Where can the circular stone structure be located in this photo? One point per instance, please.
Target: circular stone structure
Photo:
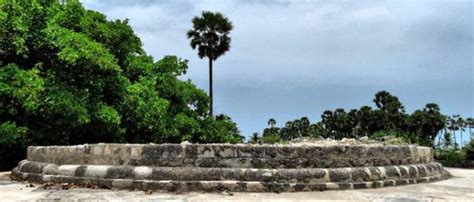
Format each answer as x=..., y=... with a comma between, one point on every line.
x=220, y=167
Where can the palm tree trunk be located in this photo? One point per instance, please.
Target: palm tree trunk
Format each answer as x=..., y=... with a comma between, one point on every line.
x=439, y=140
x=470, y=134
x=210, y=87
x=441, y=135
x=454, y=137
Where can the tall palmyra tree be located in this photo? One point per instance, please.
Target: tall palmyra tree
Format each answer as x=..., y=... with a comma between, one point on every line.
x=210, y=36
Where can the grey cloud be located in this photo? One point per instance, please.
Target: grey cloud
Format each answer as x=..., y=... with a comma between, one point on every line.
x=297, y=58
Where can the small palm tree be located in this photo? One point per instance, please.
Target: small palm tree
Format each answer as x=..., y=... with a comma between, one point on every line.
x=210, y=36
x=255, y=139
x=461, y=124
x=448, y=140
x=271, y=122
x=453, y=126
x=470, y=124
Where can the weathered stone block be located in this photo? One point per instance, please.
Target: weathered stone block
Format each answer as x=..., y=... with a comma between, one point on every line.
x=360, y=175
x=120, y=172
x=96, y=171
x=339, y=175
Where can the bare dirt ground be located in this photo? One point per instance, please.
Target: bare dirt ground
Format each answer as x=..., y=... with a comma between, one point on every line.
x=458, y=188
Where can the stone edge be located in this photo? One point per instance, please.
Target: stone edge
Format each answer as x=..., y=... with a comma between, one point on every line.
x=219, y=186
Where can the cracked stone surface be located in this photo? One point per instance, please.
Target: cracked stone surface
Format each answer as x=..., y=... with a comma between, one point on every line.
x=459, y=187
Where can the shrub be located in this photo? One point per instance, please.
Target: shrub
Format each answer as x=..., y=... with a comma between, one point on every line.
x=470, y=151
x=400, y=137
x=396, y=140
x=453, y=158
x=12, y=144
x=271, y=139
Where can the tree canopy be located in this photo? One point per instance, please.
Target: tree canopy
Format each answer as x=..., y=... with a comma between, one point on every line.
x=210, y=35
x=68, y=76
x=388, y=117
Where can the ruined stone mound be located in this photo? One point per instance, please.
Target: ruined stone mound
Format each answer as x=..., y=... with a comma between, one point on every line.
x=220, y=167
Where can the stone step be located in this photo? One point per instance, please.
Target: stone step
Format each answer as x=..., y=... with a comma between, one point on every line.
x=219, y=186
x=306, y=175
x=219, y=167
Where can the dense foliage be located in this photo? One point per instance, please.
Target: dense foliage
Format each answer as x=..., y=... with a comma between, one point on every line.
x=388, y=118
x=70, y=76
x=389, y=122
x=453, y=157
x=470, y=151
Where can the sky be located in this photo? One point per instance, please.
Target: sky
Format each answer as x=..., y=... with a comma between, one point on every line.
x=295, y=58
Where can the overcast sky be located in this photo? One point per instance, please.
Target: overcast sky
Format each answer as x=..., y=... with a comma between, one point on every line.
x=298, y=58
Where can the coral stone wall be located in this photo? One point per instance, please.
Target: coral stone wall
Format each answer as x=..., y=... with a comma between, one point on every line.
x=232, y=156
x=218, y=167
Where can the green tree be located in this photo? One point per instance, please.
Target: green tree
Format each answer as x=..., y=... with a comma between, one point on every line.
x=318, y=130
x=426, y=123
x=304, y=126
x=255, y=138
x=387, y=102
x=339, y=123
x=328, y=120
x=271, y=129
x=288, y=131
x=388, y=119
x=470, y=151
x=453, y=126
x=365, y=121
x=220, y=128
x=12, y=144
x=391, y=110
x=470, y=125
x=293, y=129
x=353, y=123
x=447, y=140
x=271, y=122
x=461, y=124
x=70, y=76
x=271, y=139
x=210, y=36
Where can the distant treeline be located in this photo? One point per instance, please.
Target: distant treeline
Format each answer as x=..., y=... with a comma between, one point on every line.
x=387, y=118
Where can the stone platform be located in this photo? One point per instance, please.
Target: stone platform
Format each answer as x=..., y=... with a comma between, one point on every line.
x=220, y=167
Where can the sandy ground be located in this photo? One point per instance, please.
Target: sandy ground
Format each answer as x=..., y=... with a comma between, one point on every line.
x=458, y=188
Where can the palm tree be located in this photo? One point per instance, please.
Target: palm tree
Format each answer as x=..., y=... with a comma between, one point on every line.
x=446, y=120
x=210, y=36
x=470, y=124
x=439, y=144
x=255, y=139
x=271, y=122
x=448, y=140
x=453, y=126
x=304, y=126
x=461, y=124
